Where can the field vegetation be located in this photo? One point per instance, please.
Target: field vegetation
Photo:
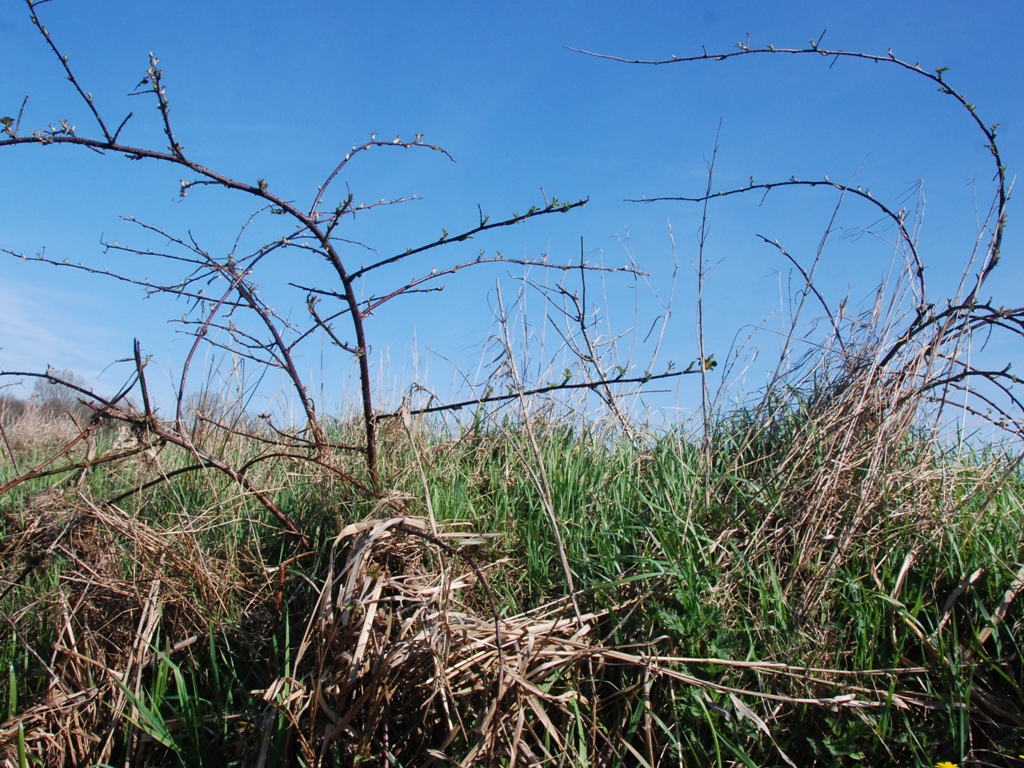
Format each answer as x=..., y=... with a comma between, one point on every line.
x=824, y=572
x=813, y=584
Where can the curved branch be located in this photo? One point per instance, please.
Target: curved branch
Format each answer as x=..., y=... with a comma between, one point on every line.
x=373, y=142
x=889, y=57
x=897, y=217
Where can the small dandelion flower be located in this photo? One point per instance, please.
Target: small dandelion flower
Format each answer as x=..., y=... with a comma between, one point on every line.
x=946, y=764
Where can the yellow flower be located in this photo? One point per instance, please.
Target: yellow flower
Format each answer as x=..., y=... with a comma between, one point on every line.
x=946, y=764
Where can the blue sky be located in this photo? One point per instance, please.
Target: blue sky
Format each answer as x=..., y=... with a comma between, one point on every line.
x=281, y=90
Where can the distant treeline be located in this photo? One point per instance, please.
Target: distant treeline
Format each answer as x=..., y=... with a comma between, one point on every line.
x=49, y=400
x=13, y=409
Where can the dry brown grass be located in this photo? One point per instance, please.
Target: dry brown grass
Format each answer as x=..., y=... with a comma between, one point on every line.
x=121, y=581
x=34, y=426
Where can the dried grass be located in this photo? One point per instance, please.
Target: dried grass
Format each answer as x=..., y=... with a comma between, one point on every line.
x=120, y=581
x=32, y=426
x=398, y=658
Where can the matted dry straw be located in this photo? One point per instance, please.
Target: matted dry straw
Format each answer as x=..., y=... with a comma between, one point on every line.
x=398, y=659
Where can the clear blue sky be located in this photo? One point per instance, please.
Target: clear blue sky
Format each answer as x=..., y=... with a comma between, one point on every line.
x=282, y=90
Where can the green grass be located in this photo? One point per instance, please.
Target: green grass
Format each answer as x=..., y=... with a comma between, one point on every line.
x=753, y=549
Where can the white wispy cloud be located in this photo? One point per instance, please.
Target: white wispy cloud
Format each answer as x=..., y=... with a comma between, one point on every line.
x=41, y=325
